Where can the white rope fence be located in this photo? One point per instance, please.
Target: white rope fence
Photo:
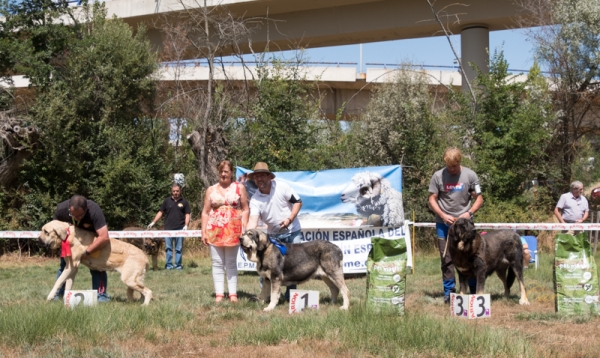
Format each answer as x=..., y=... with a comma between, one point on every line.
x=198, y=233
x=528, y=226
x=112, y=234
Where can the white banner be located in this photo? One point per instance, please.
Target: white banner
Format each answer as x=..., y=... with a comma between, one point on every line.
x=354, y=242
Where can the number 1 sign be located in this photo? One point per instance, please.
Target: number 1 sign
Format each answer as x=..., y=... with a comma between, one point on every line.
x=470, y=306
x=300, y=299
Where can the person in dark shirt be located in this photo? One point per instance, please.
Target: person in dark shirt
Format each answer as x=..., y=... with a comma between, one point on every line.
x=177, y=217
x=87, y=215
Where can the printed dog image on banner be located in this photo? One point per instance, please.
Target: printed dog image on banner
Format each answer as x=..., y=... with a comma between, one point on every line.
x=346, y=207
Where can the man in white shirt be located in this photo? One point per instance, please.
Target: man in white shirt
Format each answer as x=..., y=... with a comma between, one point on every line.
x=277, y=205
x=572, y=207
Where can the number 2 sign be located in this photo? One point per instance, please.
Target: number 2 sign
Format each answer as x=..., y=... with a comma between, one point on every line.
x=300, y=299
x=470, y=306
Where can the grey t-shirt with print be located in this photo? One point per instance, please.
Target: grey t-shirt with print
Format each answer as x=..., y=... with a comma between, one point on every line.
x=454, y=191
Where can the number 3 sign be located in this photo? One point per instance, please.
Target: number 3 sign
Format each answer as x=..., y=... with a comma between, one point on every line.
x=300, y=299
x=470, y=306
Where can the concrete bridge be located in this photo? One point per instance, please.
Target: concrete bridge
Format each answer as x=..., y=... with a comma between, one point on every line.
x=335, y=85
x=290, y=24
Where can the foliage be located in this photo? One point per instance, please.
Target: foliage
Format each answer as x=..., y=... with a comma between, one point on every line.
x=567, y=42
x=511, y=130
x=34, y=38
x=282, y=125
x=401, y=127
x=98, y=138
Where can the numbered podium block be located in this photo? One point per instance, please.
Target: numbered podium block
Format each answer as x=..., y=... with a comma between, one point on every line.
x=74, y=298
x=470, y=306
x=301, y=299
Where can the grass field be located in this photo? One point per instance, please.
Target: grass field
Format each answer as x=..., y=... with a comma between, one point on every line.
x=183, y=320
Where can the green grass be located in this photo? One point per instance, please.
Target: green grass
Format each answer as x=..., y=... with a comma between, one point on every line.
x=183, y=313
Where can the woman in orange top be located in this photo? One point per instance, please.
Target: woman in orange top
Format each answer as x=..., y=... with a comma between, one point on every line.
x=224, y=218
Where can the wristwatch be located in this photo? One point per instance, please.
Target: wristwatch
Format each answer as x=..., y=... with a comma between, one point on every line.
x=87, y=252
x=470, y=214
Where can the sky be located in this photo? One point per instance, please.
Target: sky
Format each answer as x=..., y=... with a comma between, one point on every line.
x=433, y=51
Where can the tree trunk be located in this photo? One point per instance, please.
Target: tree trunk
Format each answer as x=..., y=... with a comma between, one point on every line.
x=18, y=143
x=210, y=153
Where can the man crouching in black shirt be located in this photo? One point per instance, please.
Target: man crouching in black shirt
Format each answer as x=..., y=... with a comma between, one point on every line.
x=87, y=215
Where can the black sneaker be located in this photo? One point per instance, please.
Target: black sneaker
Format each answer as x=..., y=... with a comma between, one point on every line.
x=446, y=299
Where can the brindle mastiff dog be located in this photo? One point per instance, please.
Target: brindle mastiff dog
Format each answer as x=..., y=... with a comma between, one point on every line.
x=300, y=263
x=150, y=245
x=479, y=256
x=127, y=259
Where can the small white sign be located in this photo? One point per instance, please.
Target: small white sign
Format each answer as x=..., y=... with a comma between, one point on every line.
x=301, y=299
x=470, y=306
x=74, y=298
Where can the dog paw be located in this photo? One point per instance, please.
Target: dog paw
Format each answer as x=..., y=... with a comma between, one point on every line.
x=345, y=308
x=268, y=308
x=524, y=302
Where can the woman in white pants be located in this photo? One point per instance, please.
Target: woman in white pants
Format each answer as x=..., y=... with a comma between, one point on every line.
x=224, y=218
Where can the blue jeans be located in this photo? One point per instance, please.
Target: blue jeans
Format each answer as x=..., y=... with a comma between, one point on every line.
x=169, y=252
x=288, y=238
x=99, y=280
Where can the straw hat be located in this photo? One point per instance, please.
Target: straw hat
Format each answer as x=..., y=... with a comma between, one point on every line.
x=261, y=167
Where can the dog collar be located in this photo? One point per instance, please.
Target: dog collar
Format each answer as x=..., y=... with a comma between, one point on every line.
x=279, y=245
x=65, y=247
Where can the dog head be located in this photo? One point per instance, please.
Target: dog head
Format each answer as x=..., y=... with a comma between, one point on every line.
x=252, y=242
x=462, y=234
x=53, y=233
x=152, y=245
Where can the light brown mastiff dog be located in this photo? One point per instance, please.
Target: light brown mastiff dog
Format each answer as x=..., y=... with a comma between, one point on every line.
x=119, y=256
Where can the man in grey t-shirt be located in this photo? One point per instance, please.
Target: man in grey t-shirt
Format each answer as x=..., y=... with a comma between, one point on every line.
x=450, y=192
x=572, y=207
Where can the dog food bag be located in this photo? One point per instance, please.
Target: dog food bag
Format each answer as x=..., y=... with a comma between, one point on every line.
x=386, y=274
x=575, y=276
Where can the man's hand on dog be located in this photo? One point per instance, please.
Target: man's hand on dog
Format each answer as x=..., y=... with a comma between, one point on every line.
x=448, y=219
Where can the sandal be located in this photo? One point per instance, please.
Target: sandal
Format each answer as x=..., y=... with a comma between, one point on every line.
x=219, y=298
x=233, y=298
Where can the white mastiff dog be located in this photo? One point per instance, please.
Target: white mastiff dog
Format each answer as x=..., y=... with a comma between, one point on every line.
x=125, y=258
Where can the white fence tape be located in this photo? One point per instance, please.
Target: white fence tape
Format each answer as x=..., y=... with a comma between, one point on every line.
x=112, y=234
x=528, y=226
x=198, y=233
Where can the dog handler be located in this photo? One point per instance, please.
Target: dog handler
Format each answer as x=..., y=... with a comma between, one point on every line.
x=87, y=215
x=572, y=207
x=277, y=205
x=450, y=192
x=177, y=217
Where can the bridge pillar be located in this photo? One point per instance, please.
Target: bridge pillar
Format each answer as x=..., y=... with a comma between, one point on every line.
x=474, y=45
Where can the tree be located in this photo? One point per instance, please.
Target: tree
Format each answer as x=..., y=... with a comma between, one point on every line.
x=567, y=42
x=511, y=129
x=204, y=33
x=99, y=137
x=400, y=126
x=33, y=38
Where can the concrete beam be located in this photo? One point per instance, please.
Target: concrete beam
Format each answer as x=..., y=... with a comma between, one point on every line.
x=289, y=24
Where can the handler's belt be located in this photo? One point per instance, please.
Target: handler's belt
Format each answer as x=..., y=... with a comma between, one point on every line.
x=279, y=245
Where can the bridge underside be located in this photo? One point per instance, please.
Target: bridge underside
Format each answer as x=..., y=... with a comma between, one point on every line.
x=287, y=24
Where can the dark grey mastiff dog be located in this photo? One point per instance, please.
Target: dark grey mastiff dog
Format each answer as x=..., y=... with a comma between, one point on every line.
x=300, y=263
x=479, y=256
